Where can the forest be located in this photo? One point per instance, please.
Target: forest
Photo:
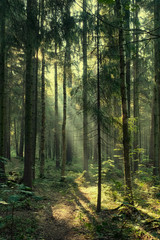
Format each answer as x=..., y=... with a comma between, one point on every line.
x=79, y=119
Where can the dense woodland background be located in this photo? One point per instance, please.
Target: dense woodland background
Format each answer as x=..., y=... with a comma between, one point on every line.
x=80, y=98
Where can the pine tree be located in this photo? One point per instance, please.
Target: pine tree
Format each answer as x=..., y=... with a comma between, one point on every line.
x=85, y=123
x=2, y=85
x=30, y=50
x=126, y=138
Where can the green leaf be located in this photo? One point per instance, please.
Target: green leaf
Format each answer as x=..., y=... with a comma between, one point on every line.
x=27, y=192
x=14, y=198
x=25, y=188
x=3, y=159
x=3, y=203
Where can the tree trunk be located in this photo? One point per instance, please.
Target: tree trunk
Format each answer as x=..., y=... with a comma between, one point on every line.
x=15, y=135
x=42, y=145
x=136, y=94
x=64, y=122
x=126, y=137
x=21, y=144
x=30, y=46
x=151, y=142
x=156, y=133
x=98, y=118
x=6, y=113
x=128, y=52
x=42, y=148
x=56, y=135
x=2, y=83
x=85, y=123
x=157, y=80
x=7, y=144
x=35, y=97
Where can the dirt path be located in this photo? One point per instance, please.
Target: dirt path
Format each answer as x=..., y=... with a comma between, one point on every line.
x=66, y=216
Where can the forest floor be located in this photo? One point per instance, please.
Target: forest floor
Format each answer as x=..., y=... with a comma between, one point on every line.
x=67, y=211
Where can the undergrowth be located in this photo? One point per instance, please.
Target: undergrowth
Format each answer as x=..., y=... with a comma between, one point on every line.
x=118, y=220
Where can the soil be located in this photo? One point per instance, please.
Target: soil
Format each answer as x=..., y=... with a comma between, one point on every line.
x=65, y=215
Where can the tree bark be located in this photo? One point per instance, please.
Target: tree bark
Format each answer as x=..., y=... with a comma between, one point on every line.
x=42, y=148
x=157, y=87
x=21, y=144
x=15, y=135
x=7, y=144
x=30, y=49
x=126, y=137
x=64, y=122
x=6, y=113
x=42, y=145
x=85, y=124
x=2, y=84
x=98, y=118
x=151, y=142
x=35, y=98
x=128, y=53
x=56, y=135
x=136, y=93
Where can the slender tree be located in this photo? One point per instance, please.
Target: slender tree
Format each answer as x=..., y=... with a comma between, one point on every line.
x=85, y=124
x=155, y=131
x=126, y=4
x=21, y=144
x=2, y=84
x=136, y=90
x=42, y=148
x=64, y=121
x=56, y=135
x=66, y=74
x=157, y=88
x=34, y=111
x=15, y=135
x=98, y=117
x=126, y=137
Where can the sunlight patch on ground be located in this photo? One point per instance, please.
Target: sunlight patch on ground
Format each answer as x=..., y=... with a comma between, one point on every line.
x=63, y=212
x=150, y=212
x=91, y=193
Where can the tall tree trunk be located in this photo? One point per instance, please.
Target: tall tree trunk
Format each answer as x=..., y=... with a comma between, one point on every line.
x=98, y=118
x=15, y=135
x=156, y=132
x=85, y=123
x=157, y=88
x=21, y=144
x=7, y=145
x=126, y=137
x=42, y=145
x=64, y=122
x=128, y=52
x=7, y=129
x=35, y=98
x=56, y=135
x=69, y=84
x=30, y=46
x=151, y=141
x=2, y=83
x=136, y=93
x=42, y=148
